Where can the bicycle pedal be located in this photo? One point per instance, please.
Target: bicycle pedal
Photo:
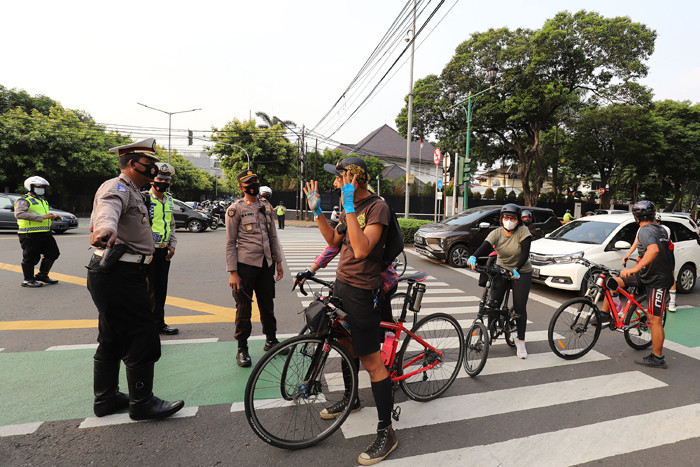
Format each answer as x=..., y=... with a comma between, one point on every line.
x=396, y=412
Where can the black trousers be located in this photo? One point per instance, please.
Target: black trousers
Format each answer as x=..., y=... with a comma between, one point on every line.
x=521, y=292
x=280, y=222
x=158, y=272
x=127, y=327
x=36, y=244
x=262, y=282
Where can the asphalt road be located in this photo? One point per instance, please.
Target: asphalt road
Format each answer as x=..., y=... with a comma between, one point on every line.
x=541, y=411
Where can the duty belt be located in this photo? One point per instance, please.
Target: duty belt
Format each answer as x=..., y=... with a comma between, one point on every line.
x=162, y=245
x=130, y=257
x=42, y=228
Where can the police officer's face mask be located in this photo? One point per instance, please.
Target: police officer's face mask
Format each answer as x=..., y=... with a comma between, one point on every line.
x=40, y=191
x=252, y=189
x=149, y=170
x=161, y=186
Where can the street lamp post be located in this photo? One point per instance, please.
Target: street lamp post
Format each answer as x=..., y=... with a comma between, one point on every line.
x=452, y=95
x=170, y=119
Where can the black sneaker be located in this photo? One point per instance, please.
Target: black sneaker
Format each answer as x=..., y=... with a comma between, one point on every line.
x=45, y=279
x=652, y=361
x=605, y=319
x=243, y=358
x=270, y=343
x=31, y=283
x=383, y=445
x=336, y=409
x=168, y=330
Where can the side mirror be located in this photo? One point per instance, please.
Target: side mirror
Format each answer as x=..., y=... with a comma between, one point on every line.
x=8, y=207
x=484, y=225
x=622, y=245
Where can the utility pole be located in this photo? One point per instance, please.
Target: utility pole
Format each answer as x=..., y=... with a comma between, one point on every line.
x=170, y=120
x=410, y=116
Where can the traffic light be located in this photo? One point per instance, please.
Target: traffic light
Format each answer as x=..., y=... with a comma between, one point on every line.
x=189, y=137
x=466, y=171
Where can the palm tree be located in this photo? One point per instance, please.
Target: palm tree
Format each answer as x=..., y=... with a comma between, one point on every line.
x=270, y=122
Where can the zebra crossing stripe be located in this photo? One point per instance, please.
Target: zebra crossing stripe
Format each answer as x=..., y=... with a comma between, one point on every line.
x=206, y=340
x=485, y=404
x=122, y=418
x=20, y=429
x=576, y=445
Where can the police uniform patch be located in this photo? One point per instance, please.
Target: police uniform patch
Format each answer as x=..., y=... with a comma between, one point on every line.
x=247, y=202
x=22, y=202
x=361, y=220
x=249, y=227
x=121, y=187
x=231, y=212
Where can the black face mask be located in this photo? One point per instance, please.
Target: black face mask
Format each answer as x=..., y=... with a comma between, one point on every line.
x=150, y=170
x=161, y=187
x=527, y=221
x=252, y=189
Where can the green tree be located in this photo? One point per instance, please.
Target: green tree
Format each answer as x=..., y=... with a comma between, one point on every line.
x=269, y=122
x=511, y=197
x=488, y=194
x=573, y=59
x=500, y=194
x=271, y=155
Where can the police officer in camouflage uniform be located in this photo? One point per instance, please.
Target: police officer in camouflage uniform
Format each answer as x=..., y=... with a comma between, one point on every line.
x=117, y=281
x=252, y=251
x=160, y=212
x=34, y=229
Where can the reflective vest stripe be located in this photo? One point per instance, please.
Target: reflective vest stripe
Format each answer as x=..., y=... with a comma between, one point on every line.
x=39, y=207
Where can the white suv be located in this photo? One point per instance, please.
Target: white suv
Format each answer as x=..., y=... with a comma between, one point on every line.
x=605, y=240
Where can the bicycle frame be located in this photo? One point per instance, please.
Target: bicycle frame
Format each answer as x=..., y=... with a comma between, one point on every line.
x=617, y=317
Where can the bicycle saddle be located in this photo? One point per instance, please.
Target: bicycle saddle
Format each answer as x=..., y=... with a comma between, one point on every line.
x=417, y=277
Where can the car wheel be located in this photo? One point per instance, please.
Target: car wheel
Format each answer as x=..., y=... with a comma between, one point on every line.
x=195, y=225
x=59, y=231
x=458, y=256
x=587, y=279
x=686, y=279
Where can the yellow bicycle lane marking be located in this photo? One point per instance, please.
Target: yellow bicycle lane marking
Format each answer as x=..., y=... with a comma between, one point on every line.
x=214, y=313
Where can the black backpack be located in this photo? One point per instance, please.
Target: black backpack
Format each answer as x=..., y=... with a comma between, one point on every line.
x=394, y=238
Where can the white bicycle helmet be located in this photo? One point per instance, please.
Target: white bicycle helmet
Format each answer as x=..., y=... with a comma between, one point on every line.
x=35, y=181
x=266, y=191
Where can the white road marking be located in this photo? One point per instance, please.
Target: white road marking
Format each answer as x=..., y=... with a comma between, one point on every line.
x=470, y=406
x=573, y=446
x=122, y=418
x=20, y=429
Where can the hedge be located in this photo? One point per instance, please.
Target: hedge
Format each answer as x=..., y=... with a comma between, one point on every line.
x=410, y=226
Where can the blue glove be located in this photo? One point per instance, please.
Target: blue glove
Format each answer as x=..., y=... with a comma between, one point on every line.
x=349, y=198
x=314, y=203
x=516, y=274
x=471, y=262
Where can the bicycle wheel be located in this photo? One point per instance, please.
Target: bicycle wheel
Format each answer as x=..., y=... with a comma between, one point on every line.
x=400, y=263
x=476, y=348
x=510, y=331
x=570, y=333
x=286, y=393
x=444, y=334
x=397, y=305
x=638, y=336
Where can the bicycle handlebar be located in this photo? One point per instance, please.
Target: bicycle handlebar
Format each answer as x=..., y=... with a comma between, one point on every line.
x=313, y=279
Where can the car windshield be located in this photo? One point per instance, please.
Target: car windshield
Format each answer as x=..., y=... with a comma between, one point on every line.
x=466, y=217
x=584, y=232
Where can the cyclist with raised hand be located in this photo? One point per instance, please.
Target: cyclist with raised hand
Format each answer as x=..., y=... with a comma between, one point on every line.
x=512, y=243
x=361, y=235
x=655, y=271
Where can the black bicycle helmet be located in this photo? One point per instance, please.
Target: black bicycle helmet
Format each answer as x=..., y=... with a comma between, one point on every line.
x=644, y=211
x=511, y=208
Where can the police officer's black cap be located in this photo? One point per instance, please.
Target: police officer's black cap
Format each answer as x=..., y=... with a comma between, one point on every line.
x=246, y=176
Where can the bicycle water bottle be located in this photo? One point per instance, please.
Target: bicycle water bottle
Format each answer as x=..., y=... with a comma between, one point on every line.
x=417, y=299
x=388, y=346
x=618, y=305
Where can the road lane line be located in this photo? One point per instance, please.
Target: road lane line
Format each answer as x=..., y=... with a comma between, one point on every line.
x=122, y=418
x=20, y=429
x=574, y=446
x=504, y=401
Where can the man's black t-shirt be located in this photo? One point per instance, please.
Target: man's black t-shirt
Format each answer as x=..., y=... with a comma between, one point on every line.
x=658, y=274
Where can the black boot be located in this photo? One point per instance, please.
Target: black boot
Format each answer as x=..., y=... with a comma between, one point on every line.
x=29, y=281
x=243, y=357
x=44, y=269
x=144, y=405
x=108, y=399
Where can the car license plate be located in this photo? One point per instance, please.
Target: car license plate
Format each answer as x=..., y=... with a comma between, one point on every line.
x=535, y=272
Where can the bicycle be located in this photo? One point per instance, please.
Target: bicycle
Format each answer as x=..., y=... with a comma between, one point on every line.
x=400, y=263
x=575, y=326
x=480, y=337
x=285, y=393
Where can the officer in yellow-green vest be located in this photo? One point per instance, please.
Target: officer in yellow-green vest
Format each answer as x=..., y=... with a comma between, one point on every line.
x=160, y=213
x=34, y=222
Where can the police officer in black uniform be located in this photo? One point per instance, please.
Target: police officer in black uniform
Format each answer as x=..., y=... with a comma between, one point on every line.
x=117, y=281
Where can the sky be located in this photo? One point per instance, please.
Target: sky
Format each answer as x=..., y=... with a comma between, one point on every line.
x=288, y=59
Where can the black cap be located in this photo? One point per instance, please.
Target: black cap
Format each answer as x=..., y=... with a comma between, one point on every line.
x=354, y=165
x=246, y=176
